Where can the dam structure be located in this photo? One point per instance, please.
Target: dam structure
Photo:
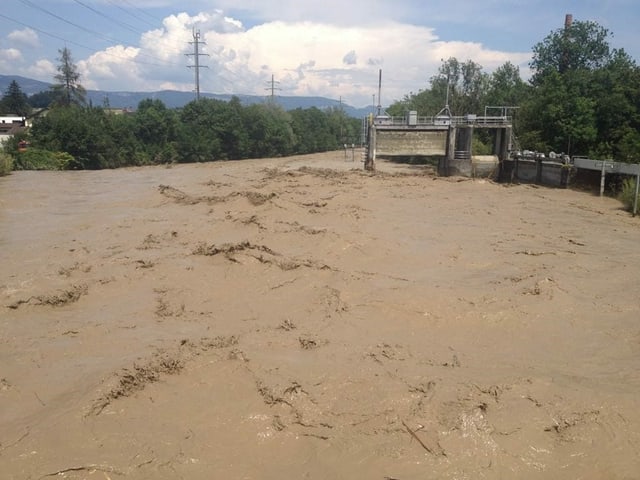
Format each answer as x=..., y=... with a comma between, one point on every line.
x=445, y=137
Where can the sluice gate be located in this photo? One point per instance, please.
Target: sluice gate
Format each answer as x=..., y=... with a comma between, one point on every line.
x=447, y=138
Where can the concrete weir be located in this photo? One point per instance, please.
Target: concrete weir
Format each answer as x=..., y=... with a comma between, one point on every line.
x=446, y=137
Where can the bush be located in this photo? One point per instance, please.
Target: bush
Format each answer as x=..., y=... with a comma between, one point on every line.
x=628, y=192
x=65, y=161
x=37, y=159
x=6, y=164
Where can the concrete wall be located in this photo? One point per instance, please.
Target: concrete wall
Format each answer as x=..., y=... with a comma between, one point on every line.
x=410, y=143
x=459, y=167
x=484, y=166
x=552, y=174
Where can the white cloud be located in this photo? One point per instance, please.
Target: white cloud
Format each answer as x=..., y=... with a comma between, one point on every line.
x=42, y=69
x=315, y=63
x=115, y=64
x=9, y=58
x=26, y=37
x=10, y=55
x=306, y=58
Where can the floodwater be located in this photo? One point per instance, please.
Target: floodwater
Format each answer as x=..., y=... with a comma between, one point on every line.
x=300, y=318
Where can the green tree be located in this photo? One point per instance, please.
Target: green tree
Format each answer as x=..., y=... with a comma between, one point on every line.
x=462, y=86
x=68, y=90
x=616, y=90
x=467, y=86
x=156, y=129
x=585, y=95
x=312, y=132
x=94, y=138
x=15, y=101
x=234, y=136
x=581, y=46
x=269, y=131
x=505, y=87
x=197, y=141
x=41, y=99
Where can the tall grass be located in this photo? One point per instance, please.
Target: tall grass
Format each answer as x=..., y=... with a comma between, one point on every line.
x=38, y=159
x=627, y=193
x=6, y=164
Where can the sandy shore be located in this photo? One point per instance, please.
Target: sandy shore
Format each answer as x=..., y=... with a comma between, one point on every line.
x=300, y=318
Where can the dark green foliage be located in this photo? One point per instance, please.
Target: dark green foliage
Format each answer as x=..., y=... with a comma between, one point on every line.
x=156, y=128
x=41, y=99
x=269, y=129
x=585, y=97
x=582, y=46
x=202, y=131
x=319, y=131
x=6, y=164
x=467, y=91
x=199, y=141
x=94, y=138
x=312, y=120
x=11, y=144
x=14, y=101
x=37, y=159
x=628, y=193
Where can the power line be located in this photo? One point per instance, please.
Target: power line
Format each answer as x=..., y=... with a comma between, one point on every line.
x=138, y=17
x=47, y=33
x=142, y=11
x=123, y=24
x=62, y=19
x=95, y=33
x=93, y=50
x=111, y=19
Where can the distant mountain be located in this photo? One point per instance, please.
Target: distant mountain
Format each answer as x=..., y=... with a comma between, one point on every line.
x=177, y=99
x=27, y=85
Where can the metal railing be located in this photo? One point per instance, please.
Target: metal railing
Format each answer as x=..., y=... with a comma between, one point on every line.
x=466, y=120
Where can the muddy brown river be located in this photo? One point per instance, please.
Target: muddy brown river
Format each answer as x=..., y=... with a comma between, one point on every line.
x=300, y=318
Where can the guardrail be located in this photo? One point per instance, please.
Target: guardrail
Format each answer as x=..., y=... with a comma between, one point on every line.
x=442, y=120
x=607, y=166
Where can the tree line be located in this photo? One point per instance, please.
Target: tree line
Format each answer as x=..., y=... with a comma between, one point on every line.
x=75, y=135
x=80, y=137
x=582, y=98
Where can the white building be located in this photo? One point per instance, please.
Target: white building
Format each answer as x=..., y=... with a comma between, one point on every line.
x=9, y=126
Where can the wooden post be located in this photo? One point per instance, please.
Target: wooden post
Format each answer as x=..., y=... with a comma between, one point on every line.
x=602, y=175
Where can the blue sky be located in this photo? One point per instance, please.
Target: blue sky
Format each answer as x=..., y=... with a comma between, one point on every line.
x=331, y=48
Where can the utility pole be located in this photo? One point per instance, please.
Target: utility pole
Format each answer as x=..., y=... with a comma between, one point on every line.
x=196, y=56
x=341, y=120
x=273, y=85
x=379, y=92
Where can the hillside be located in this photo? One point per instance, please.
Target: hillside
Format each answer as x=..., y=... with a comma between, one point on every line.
x=177, y=99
